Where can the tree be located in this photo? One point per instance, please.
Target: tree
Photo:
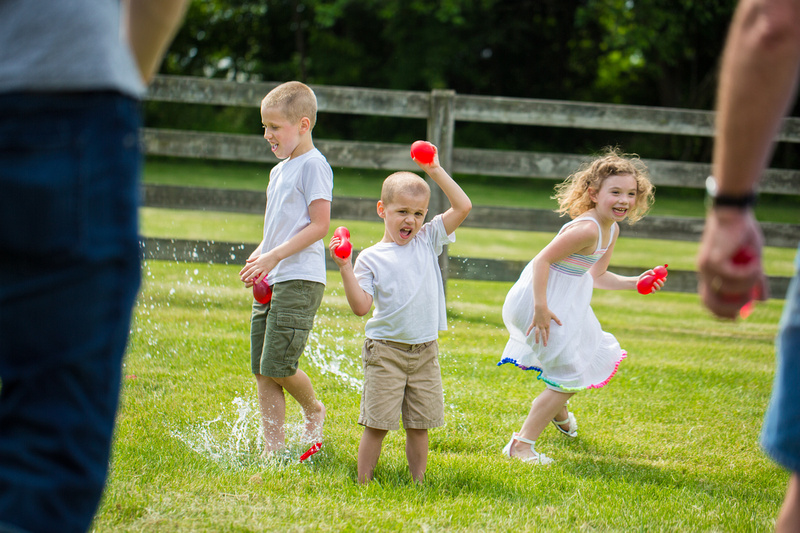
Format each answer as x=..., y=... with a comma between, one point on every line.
x=655, y=52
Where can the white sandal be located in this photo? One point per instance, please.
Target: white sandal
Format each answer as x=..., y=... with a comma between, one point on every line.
x=537, y=459
x=573, y=425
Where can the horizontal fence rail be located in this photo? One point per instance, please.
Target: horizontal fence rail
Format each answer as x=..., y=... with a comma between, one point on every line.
x=416, y=104
x=442, y=109
x=506, y=218
x=500, y=110
x=470, y=161
x=482, y=269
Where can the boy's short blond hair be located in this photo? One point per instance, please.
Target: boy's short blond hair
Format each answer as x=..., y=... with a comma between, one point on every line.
x=295, y=100
x=403, y=182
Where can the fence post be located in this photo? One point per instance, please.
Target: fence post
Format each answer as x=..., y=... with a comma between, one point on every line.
x=441, y=128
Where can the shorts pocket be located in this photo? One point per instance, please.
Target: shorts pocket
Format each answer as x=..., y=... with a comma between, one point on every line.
x=371, y=353
x=294, y=330
x=287, y=320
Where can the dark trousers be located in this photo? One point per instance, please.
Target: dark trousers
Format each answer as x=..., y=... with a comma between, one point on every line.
x=69, y=274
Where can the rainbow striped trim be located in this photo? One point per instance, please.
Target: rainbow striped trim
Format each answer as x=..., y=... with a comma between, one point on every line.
x=576, y=264
x=554, y=384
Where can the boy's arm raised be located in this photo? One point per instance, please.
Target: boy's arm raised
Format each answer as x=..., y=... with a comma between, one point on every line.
x=460, y=204
x=360, y=302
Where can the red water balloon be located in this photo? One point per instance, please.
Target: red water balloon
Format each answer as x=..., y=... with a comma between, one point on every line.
x=645, y=283
x=343, y=250
x=262, y=292
x=743, y=255
x=423, y=151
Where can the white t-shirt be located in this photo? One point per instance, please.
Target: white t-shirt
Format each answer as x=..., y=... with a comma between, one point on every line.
x=293, y=185
x=406, y=286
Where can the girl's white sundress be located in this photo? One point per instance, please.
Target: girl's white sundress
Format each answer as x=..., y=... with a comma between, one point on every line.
x=579, y=354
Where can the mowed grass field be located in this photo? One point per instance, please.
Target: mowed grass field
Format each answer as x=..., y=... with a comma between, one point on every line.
x=671, y=444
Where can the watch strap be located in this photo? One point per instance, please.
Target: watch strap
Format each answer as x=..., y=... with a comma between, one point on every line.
x=740, y=201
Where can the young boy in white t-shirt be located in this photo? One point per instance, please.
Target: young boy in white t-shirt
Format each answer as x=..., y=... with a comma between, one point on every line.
x=292, y=258
x=401, y=275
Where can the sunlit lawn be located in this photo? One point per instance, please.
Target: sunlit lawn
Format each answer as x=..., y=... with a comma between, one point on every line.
x=671, y=444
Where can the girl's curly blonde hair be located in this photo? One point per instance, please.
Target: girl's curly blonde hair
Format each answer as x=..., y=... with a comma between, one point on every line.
x=573, y=194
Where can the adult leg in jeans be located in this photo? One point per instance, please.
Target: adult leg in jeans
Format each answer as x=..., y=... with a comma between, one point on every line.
x=780, y=435
x=69, y=273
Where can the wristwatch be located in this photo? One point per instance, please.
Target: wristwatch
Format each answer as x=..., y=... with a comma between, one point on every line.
x=739, y=201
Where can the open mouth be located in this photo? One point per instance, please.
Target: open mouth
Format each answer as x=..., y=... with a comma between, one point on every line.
x=405, y=233
x=620, y=212
x=273, y=147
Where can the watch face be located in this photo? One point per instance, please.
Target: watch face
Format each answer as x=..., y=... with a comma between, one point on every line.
x=711, y=186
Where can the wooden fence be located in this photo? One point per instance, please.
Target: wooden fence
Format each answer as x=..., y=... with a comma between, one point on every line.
x=443, y=109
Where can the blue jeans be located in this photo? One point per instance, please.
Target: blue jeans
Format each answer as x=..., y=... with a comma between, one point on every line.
x=780, y=435
x=69, y=275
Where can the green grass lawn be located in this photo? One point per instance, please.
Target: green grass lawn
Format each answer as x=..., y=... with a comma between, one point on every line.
x=669, y=445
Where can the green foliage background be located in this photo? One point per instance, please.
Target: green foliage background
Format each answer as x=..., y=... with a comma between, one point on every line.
x=642, y=52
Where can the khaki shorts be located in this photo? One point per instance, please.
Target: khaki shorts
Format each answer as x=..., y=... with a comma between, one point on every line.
x=401, y=379
x=279, y=330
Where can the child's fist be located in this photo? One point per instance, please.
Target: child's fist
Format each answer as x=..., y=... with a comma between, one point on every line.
x=336, y=246
x=652, y=280
x=344, y=248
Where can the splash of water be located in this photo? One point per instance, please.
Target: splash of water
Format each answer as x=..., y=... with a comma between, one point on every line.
x=224, y=439
x=332, y=360
x=235, y=438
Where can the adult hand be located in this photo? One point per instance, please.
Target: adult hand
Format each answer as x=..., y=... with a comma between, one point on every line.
x=729, y=262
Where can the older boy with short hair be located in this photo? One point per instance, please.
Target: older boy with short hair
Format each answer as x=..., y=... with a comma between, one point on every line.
x=292, y=257
x=401, y=275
